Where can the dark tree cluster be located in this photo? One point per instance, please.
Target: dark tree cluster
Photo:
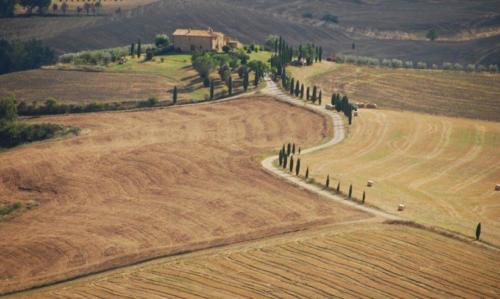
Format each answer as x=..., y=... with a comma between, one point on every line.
x=19, y=55
x=342, y=104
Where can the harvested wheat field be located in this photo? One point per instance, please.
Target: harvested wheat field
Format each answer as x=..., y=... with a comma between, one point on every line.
x=471, y=95
x=138, y=185
x=76, y=87
x=350, y=261
x=443, y=169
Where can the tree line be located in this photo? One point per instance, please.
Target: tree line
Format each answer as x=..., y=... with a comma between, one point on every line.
x=7, y=7
x=14, y=132
x=23, y=55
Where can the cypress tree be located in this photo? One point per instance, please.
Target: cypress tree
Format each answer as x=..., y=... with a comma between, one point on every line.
x=307, y=173
x=320, y=54
x=307, y=93
x=291, y=163
x=350, y=191
x=350, y=116
x=319, y=97
x=280, y=158
x=285, y=162
x=314, y=95
x=230, y=85
x=302, y=91
x=132, y=49
x=245, y=81
x=297, y=88
x=292, y=84
x=297, y=168
x=174, y=96
x=138, y=48
x=256, y=79
x=283, y=149
x=293, y=148
x=327, y=184
x=364, y=197
x=211, y=89
x=299, y=150
x=478, y=231
x=338, y=187
x=288, y=149
x=333, y=99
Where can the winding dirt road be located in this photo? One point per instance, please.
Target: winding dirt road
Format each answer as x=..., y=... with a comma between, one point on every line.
x=338, y=135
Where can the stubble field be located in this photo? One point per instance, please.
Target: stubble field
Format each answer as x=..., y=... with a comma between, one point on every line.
x=78, y=87
x=461, y=94
x=138, y=185
x=443, y=169
x=354, y=261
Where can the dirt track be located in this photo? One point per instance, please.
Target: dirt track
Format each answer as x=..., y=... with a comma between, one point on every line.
x=137, y=185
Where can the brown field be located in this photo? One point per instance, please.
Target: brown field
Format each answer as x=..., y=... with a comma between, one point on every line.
x=472, y=95
x=443, y=169
x=355, y=261
x=138, y=185
x=78, y=87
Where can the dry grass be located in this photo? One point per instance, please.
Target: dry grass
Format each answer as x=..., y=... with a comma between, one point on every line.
x=137, y=185
x=443, y=169
x=376, y=261
x=78, y=87
x=472, y=95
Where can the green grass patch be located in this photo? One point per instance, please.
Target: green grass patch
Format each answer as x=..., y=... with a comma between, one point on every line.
x=263, y=56
x=9, y=208
x=174, y=67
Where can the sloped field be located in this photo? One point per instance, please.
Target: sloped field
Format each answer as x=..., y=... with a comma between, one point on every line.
x=76, y=87
x=472, y=95
x=443, y=169
x=372, y=261
x=138, y=185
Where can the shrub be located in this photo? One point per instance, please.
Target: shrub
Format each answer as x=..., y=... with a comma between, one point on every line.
x=15, y=133
x=470, y=68
x=9, y=208
x=447, y=66
x=481, y=68
x=330, y=18
x=409, y=64
x=162, y=40
x=493, y=68
x=458, y=67
x=421, y=65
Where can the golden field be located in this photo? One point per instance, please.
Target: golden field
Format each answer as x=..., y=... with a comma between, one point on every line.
x=443, y=169
x=348, y=261
x=139, y=185
x=451, y=93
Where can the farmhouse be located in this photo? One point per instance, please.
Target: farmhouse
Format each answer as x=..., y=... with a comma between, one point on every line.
x=189, y=40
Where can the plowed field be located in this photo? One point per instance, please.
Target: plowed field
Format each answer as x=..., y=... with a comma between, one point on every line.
x=138, y=185
x=355, y=261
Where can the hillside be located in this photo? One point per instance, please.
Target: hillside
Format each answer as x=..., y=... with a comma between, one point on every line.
x=443, y=169
x=138, y=185
x=451, y=93
x=254, y=21
x=360, y=261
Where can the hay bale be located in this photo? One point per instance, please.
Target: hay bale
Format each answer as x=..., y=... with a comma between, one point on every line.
x=371, y=106
x=497, y=187
x=401, y=207
x=369, y=183
x=329, y=107
x=355, y=113
x=361, y=105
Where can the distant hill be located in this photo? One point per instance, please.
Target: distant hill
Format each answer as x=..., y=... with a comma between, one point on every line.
x=385, y=29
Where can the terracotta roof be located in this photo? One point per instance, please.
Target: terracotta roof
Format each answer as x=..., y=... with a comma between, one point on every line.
x=196, y=32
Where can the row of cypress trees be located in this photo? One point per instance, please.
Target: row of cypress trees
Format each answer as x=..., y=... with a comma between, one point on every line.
x=286, y=161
